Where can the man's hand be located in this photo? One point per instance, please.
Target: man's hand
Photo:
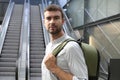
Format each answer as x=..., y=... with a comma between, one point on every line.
x=50, y=62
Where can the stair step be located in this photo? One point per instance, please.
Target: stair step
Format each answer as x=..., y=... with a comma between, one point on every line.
x=9, y=55
x=10, y=51
x=36, y=60
x=7, y=59
x=14, y=27
x=36, y=56
x=10, y=47
x=39, y=52
x=34, y=42
x=35, y=35
x=35, y=74
x=11, y=41
x=12, y=35
x=7, y=64
x=36, y=78
x=36, y=31
x=16, y=32
x=36, y=48
x=11, y=44
x=35, y=70
x=41, y=46
x=35, y=65
x=6, y=74
x=7, y=69
x=37, y=39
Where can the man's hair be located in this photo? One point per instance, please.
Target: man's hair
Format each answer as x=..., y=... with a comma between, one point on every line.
x=54, y=7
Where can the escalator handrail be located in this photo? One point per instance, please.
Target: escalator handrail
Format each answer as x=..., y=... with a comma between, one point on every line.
x=5, y=23
x=45, y=33
x=68, y=28
x=28, y=44
x=24, y=45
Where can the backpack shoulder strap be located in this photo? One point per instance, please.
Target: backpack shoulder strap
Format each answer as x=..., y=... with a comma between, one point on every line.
x=56, y=51
x=91, y=57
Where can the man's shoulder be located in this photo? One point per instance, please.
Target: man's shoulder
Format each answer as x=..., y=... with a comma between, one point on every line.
x=72, y=44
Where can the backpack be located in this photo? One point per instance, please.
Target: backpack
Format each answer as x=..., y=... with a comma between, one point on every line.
x=91, y=56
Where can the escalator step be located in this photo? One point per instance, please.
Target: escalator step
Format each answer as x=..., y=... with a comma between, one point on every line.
x=34, y=65
x=7, y=69
x=10, y=47
x=36, y=56
x=7, y=64
x=10, y=51
x=11, y=41
x=37, y=48
x=35, y=70
x=11, y=44
x=7, y=74
x=38, y=52
x=38, y=61
x=9, y=55
x=35, y=74
x=8, y=59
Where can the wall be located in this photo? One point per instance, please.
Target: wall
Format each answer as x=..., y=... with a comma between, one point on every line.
x=99, y=9
x=85, y=11
x=3, y=7
x=75, y=12
x=104, y=36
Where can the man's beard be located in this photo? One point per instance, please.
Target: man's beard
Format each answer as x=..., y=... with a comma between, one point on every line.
x=57, y=31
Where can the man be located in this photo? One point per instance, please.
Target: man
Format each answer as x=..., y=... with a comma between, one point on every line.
x=69, y=63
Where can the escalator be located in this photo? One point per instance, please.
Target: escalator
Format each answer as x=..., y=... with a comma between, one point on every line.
x=10, y=49
x=37, y=45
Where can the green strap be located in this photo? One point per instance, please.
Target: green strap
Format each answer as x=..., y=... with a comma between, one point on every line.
x=60, y=47
x=90, y=53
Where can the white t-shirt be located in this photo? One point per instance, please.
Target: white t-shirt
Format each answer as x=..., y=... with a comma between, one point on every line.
x=70, y=59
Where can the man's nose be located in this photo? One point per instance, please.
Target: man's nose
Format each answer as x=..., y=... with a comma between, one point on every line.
x=52, y=21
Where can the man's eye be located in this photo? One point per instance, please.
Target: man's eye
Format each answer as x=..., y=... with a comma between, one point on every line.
x=48, y=18
x=56, y=18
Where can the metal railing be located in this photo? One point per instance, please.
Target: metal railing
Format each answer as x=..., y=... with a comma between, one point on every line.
x=23, y=59
x=28, y=42
x=46, y=34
